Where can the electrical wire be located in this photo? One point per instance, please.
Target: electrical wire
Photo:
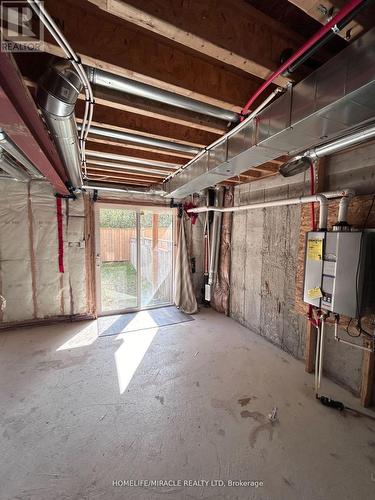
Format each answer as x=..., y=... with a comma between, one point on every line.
x=74, y=59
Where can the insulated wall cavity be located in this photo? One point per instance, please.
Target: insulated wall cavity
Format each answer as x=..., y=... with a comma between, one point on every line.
x=15, y=262
x=30, y=280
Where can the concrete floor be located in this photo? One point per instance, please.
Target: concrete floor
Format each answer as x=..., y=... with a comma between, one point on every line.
x=78, y=412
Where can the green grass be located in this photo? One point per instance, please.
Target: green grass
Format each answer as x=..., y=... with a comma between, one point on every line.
x=119, y=287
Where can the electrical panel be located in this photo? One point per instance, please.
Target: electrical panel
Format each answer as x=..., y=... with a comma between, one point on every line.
x=339, y=271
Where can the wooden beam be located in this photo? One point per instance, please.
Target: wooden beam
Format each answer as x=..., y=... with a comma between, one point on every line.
x=121, y=183
x=116, y=46
x=159, y=129
x=224, y=30
x=134, y=147
x=126, y=172
x=122, y=165
x=118, y=178
x=268, y=168
x=136, y=153
x=159, y=111
x=147, y=108
x=109, y=126
x=368, y=375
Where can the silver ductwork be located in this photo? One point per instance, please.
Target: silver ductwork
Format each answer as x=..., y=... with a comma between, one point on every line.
x=120, y=136
x=302, y=162
x=121, y=84
x=333, y=101
x=353, y=139
x=58, y=91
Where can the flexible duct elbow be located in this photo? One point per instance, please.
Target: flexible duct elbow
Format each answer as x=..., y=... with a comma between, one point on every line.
x=57, y=94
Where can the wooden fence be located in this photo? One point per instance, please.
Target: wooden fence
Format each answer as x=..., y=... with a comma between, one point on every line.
x=115, y=242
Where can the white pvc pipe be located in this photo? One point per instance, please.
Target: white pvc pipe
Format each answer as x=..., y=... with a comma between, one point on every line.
x=321, y=198
x=344, y=205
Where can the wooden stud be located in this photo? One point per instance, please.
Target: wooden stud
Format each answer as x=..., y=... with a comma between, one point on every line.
x=155, y=243
x=368, y=375
x=90, y=255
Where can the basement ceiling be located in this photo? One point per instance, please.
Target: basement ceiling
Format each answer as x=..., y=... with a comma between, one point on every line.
x=154, y=43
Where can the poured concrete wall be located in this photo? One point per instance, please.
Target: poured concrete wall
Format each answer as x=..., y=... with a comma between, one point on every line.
x=264, y=260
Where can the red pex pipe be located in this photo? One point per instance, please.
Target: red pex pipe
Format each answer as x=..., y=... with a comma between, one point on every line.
x=347, y=9
x=60, y=233
x=313, y=226
x=312, y=192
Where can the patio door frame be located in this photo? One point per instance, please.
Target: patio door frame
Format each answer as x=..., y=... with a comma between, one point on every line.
x=137, y=209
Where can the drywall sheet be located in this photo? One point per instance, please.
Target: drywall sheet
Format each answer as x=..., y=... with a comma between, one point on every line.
x=30, y=279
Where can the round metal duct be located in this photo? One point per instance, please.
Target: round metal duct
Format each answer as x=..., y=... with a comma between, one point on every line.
x=295, y=166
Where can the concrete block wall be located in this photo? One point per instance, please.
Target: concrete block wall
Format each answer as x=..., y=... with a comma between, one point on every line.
x=264, y=260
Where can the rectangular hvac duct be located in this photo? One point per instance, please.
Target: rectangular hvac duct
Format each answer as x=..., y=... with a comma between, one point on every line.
x=333, y=100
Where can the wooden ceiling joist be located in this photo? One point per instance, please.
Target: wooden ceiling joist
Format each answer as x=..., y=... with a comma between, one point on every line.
x=136, y=153
x=150, y=127
x=229, y=31
x=126, y=172
x=142, y=148
x=121, y=178
x=158, y=110
x=109, y=43
x=121, y=167
x=148, y=109
x=124, y=183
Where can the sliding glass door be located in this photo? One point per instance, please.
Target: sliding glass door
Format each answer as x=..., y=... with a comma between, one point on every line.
x=156, y=250
x=134, y=258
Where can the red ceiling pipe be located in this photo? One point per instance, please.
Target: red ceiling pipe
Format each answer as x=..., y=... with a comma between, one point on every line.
x=347, y=9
